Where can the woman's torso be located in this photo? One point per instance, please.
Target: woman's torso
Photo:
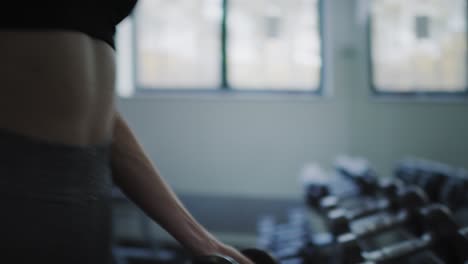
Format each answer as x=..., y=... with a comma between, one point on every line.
x=57, y=86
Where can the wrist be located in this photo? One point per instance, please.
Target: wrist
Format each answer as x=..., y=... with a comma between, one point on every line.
x=196, y=239
x=205, y=244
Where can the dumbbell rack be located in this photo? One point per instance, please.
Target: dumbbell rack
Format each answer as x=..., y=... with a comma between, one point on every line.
x=299, y=246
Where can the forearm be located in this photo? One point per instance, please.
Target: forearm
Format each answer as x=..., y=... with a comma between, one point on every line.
x=140, y=180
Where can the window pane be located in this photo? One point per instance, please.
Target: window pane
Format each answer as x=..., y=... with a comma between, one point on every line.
x=178, y=43
x=274, y=44
x=419, y=45
x=125, y=81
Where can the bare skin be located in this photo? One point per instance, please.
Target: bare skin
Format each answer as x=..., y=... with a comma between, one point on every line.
x=59, y=86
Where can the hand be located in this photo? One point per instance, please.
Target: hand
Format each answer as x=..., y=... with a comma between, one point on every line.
x=215, y=247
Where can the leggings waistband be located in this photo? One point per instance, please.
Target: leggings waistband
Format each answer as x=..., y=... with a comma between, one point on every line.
x=32, y=166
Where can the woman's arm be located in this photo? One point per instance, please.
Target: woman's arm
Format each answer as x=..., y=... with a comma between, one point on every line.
x=139, y=179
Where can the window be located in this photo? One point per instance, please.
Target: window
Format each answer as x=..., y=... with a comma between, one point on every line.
x=274, y=44
x=178, y=43
x=419, y=46
x=227, y=44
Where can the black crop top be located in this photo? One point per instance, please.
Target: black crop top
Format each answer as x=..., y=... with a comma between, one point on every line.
x=96, y=18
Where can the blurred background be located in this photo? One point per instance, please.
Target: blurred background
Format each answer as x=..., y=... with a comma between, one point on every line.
x=231, y=99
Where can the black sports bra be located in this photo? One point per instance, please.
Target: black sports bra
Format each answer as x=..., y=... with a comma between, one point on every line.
x=96, y=18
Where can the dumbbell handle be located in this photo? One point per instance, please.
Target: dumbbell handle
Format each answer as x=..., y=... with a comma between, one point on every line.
x=379, y=206
x=404, y=249
x=410, y=201
x=375, y=228
x=397, y=251
x=332, y=201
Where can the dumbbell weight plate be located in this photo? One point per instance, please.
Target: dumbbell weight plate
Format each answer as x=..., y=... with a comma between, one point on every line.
x=431, y=184
x=442, y=236
x=259, y=256
x=453, y=193
x=314, y=193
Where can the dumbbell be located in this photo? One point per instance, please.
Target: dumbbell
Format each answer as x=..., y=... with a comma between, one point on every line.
x=349, y=247
x=409, y=170
x=295, y=232
x=293, y=242
x=454, y=193
x=295, y=249
x=314, y=250
x=442, y=183
x=256, y=255
x=385, y=188
x=285, y=238
x=433, y=179
x=410, y=218
x=315, y=192
x=319, y=197
x=316, y=183
x=363, y=177
x=410, y=199
x=429, y=175
x=359, y=172
x=362, y=182
x=388, y=200
x=442, y=236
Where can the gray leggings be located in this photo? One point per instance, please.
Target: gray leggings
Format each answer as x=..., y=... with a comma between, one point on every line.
x=54, y=202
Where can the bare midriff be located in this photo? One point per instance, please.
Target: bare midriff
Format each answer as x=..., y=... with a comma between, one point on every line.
x=57, y=86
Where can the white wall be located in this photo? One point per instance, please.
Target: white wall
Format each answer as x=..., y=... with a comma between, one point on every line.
x=255, y=146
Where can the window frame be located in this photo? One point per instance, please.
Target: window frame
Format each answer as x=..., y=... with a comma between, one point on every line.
x=224, y=86
x=378, y=92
